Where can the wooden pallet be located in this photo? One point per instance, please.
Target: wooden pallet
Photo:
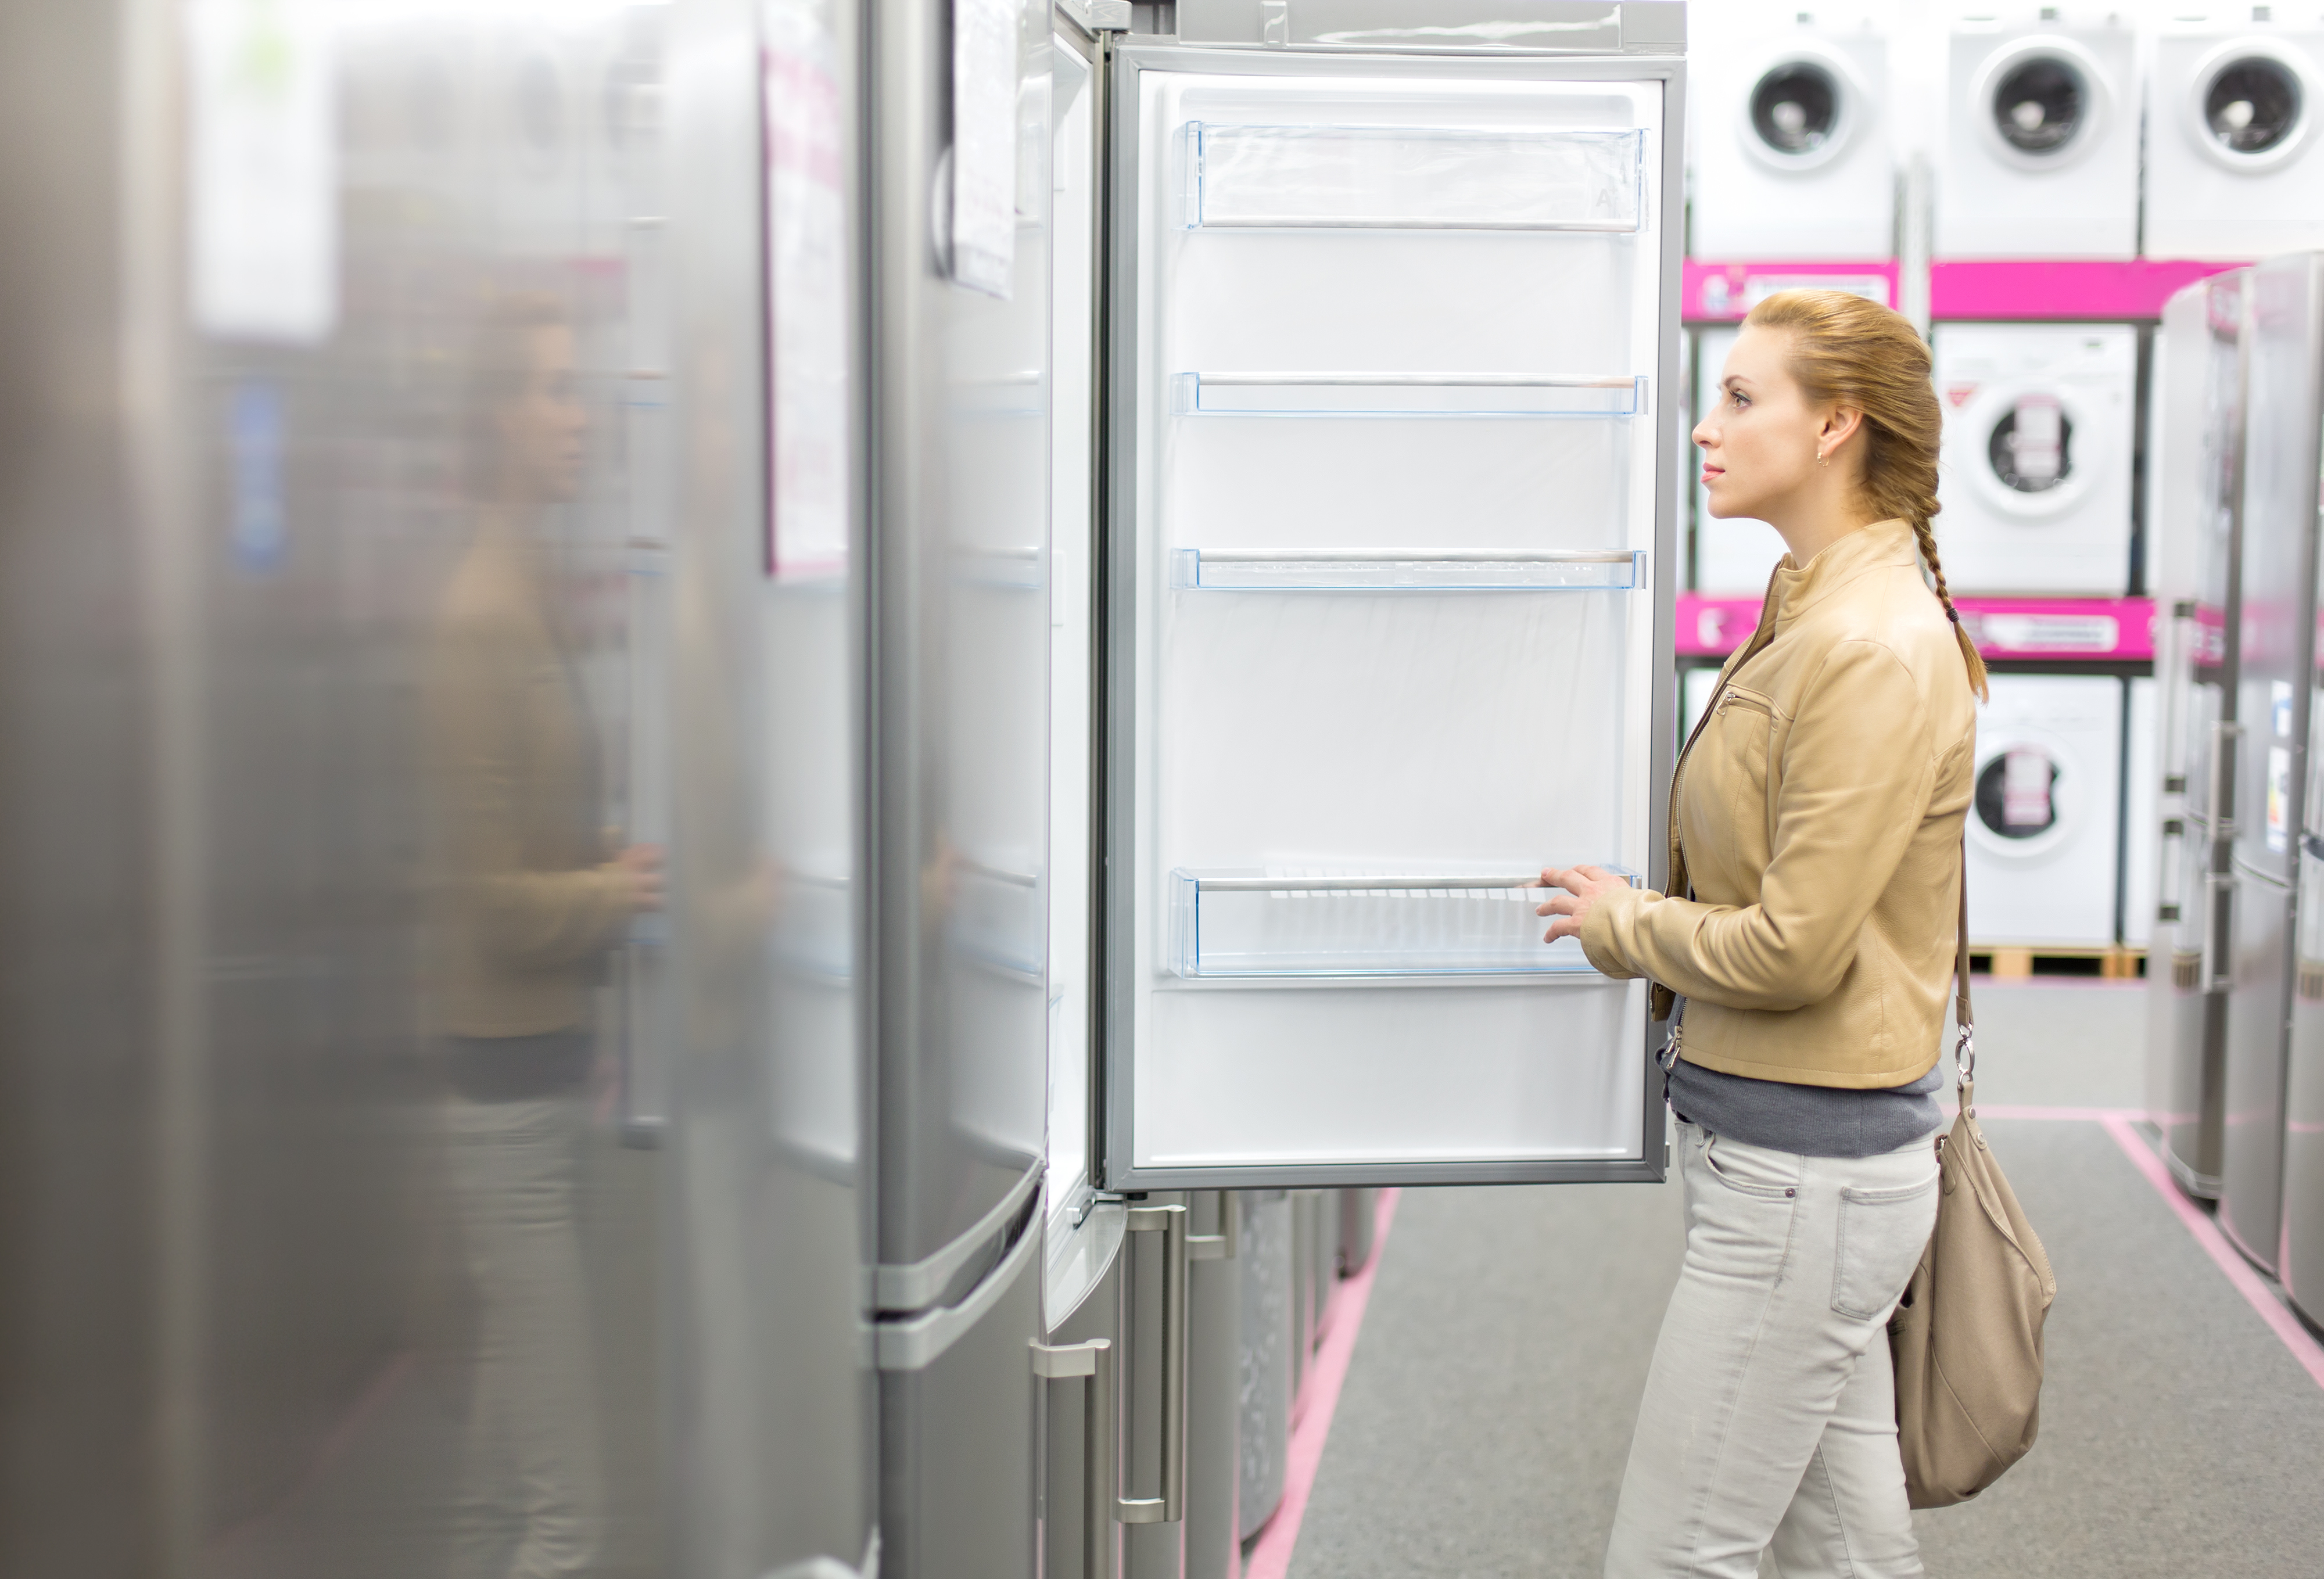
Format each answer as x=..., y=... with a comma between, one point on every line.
x=2115, y=963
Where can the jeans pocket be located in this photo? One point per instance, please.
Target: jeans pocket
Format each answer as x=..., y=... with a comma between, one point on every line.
x=1751, y=1170
x=1881, y=1236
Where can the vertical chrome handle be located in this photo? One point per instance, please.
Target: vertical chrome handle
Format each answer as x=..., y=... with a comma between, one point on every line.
x=2224, y=739
x=1170, y=1507
x=2219, y=935
x=1227, y=1242
x=1093, y=1362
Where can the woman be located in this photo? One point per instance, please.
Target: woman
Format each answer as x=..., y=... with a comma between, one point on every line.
x=1809, y=925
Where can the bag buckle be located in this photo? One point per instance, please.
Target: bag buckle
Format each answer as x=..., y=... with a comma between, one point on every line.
x=1965, y=1056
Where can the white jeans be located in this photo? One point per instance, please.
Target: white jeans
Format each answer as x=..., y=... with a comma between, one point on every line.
x=1769, y=1421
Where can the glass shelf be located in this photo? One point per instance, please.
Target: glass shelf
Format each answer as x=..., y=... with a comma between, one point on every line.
x=1413, y=178
x=1404, y=395
x=1405, y=569
x=1247, y=923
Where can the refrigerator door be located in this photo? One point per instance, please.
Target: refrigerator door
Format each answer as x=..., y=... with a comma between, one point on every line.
x=2200, y=494
x=1391, y=535
x=959, y=122
x=2284, y=308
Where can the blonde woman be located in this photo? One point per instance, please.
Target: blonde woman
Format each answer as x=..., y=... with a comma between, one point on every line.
x=1808, y=932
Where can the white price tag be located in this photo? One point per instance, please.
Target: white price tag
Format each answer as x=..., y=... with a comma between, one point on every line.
x=984, y=44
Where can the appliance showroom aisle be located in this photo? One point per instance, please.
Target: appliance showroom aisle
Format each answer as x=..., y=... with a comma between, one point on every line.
x=1483, y=1424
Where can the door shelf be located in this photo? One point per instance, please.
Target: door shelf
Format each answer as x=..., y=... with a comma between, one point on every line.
x=1413, y=178
x=1405, y=570
x=1245, y=923
x=1406, y=394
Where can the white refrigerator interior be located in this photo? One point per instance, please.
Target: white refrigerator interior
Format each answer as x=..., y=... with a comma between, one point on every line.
x=2042, y=826
x=2036, y=474
x=2142, y=827
x=1398, y=362
x=1735, y=555
x=2037, y=151
x=1793, y=158
x=2233, y=169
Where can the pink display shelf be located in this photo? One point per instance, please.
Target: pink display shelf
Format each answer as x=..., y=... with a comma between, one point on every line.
x=1716, y=293
x=2108, y=629
x=2060, y=288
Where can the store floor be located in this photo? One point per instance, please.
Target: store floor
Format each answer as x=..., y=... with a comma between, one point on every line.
x=1485, y=1418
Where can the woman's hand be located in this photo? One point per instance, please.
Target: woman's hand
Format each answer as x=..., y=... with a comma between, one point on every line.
x=1582, y=885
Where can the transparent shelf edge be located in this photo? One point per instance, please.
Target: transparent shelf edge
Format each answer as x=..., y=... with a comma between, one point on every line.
x=1535, y=180
x=1406, y=570
x=1261, y=925
x=1408, y=394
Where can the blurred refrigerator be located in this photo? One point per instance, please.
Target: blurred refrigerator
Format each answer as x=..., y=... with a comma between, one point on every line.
x=958, y=789
x=1392, y=338
x=2285, y=315
x=2195, y=522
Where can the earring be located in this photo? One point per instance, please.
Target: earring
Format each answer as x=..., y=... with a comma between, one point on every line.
x=1820, y=458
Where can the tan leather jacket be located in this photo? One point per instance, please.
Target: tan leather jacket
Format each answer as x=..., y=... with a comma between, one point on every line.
x=1816, y=814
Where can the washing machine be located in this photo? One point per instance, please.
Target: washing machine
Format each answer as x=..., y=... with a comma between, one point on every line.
x=2043, y=823
x=2037, y=151
x=2142, y=843
x=2035, y=474
x=2235, y=157
x=1732, y=558
x=1792, y=154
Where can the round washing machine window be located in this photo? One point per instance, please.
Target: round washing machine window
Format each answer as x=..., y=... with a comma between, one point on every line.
x=2247, y=105
x=1803, y=110
x=2042, y=101
x=2024, y=805
x=2028, y=448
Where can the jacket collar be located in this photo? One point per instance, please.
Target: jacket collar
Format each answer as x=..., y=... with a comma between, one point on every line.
x=1793, y=589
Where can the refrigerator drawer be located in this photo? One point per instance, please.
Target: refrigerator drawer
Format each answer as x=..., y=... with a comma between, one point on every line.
x=1413, y=178
x=1277, y=924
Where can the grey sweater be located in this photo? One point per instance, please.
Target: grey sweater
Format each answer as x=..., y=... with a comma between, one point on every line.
x=1808, y=1120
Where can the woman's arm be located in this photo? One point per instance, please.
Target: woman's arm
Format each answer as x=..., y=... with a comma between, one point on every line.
x=1858, y=770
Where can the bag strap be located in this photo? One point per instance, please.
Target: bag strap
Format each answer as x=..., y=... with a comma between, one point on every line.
x=1965, y=1043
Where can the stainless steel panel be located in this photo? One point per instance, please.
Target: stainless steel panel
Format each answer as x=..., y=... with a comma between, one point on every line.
x=1097, y=1313
x=1268, y=1290
x=1214, y=1346
x=960, y=671
x=2251, y=1180
x=2301, y=1266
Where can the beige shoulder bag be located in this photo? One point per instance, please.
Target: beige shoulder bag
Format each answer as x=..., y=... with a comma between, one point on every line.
x=1966, y=1335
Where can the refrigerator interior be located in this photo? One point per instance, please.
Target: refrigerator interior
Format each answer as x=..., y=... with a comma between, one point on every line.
x=1392, y=489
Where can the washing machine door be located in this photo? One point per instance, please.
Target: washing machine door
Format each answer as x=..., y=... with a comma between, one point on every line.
x=1804, y=108
x=2249, y=105
x=2027, y=799
x=2033, y=448
x=2041, y=102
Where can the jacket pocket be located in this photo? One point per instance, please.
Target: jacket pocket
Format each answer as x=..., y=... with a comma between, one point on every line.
x=1881, y=1235
x=1747, y=732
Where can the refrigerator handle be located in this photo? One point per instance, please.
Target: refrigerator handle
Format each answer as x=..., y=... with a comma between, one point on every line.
x=1093, y=1362
x=1225, y=1245
x=1170, y=1507
x=2225, y=738
x=2219, y=935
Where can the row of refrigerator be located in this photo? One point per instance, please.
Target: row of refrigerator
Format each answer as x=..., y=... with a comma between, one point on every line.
x=2236, y=1056
x=762, y=753
x=2077, y=131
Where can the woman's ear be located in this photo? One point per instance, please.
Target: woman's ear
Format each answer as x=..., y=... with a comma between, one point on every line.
x=1840, y=424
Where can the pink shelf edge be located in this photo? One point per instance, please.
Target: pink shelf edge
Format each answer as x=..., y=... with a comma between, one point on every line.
x=1711, y=291
x=2060, y=288
x=2113, y=630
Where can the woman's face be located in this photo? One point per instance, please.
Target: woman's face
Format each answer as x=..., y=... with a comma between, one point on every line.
x=1759, y=441
x=543, y=427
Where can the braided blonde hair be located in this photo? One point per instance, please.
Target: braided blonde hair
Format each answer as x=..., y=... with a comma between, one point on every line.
x=1859, y=354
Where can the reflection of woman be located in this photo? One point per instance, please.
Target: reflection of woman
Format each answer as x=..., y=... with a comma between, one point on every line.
x=531, y=904
x=1810, y=924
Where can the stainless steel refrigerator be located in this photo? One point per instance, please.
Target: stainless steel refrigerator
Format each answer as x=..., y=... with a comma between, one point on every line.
x=959, y=633
x=2194, y=524
x=2284, y=310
